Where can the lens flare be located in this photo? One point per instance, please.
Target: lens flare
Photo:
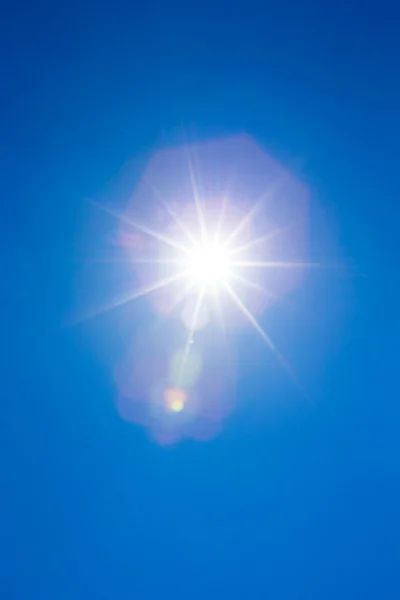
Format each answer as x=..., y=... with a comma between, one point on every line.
x=175, y=399
x=213, y=234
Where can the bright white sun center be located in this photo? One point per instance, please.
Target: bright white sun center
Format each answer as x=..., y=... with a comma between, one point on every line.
x=209, y=263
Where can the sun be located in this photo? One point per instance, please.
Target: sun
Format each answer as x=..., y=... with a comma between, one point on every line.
x=209, y=263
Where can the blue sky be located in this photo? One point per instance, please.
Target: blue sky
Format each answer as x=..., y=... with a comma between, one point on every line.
x=289, y=502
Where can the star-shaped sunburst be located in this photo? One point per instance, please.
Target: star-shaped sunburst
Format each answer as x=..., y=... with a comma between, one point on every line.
x=224, y=233
x=203, y=259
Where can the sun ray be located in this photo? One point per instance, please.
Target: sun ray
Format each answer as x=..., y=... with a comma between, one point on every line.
x=143, y=228
x=277, y=264
x=130, y=296
x=188, y=345
x=139, y=261
x=220, y=218
x=196, y=313
x=190, y=238
x=249, y=316
x=252, y=212
x=253, y=284
x=197, y=201
x=218, y=309
x=282, y=360
x=261, y=239
x=256, y=286
x=243, y=223
x=182, y=295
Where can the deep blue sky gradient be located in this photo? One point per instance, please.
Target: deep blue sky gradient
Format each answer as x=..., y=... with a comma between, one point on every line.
x=290, y=502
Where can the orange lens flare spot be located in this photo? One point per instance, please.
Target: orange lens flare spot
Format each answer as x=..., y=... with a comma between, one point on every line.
x=175, y=399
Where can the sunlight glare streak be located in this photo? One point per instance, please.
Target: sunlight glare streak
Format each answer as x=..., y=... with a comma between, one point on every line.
x=190, y=238
x=276, y=264
x=218, y=308
x=182, y=295
x=282, y=360
x=140, y=261
x=253, y=285
x=197, y=201
x=256, y=286
x=143, y=228
x=129, y=297
x=243, y=223
x=249, y=316
x=180, y=224
x=192, y=329
x=220, y=219
x=262, y=239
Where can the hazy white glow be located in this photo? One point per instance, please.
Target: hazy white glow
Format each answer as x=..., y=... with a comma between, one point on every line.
x=209, y=263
